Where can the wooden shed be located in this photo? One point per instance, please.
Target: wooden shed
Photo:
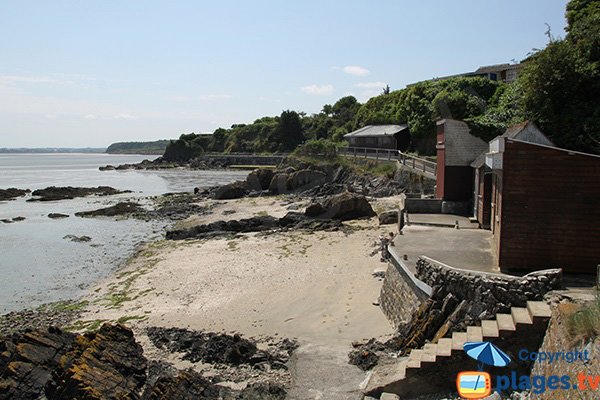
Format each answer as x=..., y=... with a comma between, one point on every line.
x=394, y=137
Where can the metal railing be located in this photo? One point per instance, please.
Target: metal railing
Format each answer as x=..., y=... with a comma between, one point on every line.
x=416, y=163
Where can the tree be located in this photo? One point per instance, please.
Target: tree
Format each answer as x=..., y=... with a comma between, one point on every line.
x=561, y=86
x=289, y=131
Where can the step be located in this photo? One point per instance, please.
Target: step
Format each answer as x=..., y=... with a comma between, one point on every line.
x=474, y=334
x=539, y=309
x=521, y=316
x=414, y=359
x=444, y=347
x=458, y=340
x=429, y=352
x=489, y=329
x=505, y=322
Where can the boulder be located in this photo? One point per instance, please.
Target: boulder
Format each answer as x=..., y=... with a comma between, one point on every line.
x=388, y=217
x=53, y=193
x=278, y=183
x=345, y=206
x=305, y=179
x=260, y=179
x=314, y=210
x=113, y=211
x=233, y=190
x=12, y=193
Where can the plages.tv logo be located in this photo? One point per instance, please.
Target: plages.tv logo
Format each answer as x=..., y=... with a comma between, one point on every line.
x=478, y=384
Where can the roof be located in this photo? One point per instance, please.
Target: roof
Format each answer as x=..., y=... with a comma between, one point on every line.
x=461, y=148
x=479, y=161
x=377, y=130
x=492, y=68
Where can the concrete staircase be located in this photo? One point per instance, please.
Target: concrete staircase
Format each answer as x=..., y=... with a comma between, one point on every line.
x=401, y=376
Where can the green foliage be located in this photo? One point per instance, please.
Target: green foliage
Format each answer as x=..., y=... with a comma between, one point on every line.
x=156, y=147
x=561, y=85
x=584, y=325
x=316, y=147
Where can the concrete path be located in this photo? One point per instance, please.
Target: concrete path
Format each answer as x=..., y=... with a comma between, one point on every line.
x=322, y=372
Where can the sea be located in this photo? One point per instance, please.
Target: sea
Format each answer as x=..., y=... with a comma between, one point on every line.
x=37, y=264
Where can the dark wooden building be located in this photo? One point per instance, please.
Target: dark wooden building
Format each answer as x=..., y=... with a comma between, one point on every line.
x=544, y=206
x=394, y=137
x=456, y=150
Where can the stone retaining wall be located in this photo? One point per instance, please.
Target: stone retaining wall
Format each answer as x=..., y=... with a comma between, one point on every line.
x=401, y=294
x=487, y=293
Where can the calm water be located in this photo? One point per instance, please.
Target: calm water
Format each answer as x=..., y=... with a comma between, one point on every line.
x=36, y=264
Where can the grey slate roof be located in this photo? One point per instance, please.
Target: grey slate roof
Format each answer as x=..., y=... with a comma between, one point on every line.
x=461, y=148
x=377, y=130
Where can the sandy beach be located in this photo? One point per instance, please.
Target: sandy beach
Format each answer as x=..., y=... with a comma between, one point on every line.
x=317, y=287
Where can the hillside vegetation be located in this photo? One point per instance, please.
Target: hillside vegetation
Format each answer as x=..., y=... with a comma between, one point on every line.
x=156, y=147
x=559, y=89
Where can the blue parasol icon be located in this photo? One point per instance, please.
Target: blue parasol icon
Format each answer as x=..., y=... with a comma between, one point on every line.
x=486, y=353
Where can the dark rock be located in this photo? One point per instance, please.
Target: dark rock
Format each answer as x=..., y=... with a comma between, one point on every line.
x=108, y=364
x=118, y=209
x=314, y=210
x=7, y=221
x=107, y=168
x=345, y=206
x=388, y=217
x=77, y=239
x=12, y=193
x=17, y=219
x=278, y=184
x=260, y=179
x=263, y=391
x=57, y=215
x=291, y=220
x=51, y=363
x=62, y=193
x=233, y=190
x=187, y=385
x=305, y=179
x=367, y=355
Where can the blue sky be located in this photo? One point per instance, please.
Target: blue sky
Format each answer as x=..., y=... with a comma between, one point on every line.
x=82, y=73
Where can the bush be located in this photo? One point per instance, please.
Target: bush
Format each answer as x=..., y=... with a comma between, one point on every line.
x=320, y=147
x=584, y=325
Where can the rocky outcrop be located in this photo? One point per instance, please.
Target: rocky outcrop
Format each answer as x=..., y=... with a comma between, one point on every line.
x=11, y=220
x=388, y=217
x=260, y=179
x=233, y=190
x=278, y=183
x=53, y=193
x=57, y=216
x=305, y=179
x=255, y=224
x=12, y=193
x=123, y=208
x=77, y=239
x=51, y=363
x=343, y=206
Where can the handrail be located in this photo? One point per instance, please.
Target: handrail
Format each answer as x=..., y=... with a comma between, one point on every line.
x=408, y=160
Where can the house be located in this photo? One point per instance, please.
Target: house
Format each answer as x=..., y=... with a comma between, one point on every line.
x=395, y=137
x=544, y=205
x=456, y=150
x=506, y=73
x=527, y=132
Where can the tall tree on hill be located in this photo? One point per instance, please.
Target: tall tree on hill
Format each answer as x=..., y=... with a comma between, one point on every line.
x=561, y=83
x=289, y=131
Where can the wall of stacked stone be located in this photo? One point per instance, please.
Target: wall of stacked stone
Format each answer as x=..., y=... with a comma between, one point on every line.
x=487, y=294
x=399, y=297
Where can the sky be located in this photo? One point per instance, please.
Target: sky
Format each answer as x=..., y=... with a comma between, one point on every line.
x=87, y=74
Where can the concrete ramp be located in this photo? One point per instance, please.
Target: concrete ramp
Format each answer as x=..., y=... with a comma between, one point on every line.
x=322, y=372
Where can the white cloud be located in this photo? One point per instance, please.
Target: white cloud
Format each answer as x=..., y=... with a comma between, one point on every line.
x=355, y=70
x=216, y=97
x=125, y=116
x=321, y=90
x=89, y=116
x=371, y=85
